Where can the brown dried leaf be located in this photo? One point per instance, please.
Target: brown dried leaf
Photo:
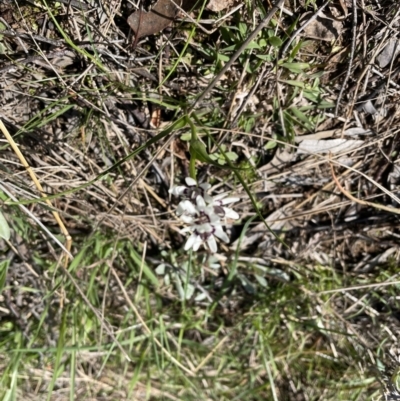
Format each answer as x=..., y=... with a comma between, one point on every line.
x=324, y=28
x=160, y=16
x=219, y=5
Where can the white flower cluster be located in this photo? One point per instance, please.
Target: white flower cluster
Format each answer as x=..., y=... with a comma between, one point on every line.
x=204, y=215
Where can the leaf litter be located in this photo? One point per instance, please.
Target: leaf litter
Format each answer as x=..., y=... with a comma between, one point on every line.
x=79, y=110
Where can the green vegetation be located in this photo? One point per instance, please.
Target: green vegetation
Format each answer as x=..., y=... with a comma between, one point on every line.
x=302, y=304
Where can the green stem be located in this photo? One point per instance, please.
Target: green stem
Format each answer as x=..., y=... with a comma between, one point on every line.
x=192, y=164
x=192, y=167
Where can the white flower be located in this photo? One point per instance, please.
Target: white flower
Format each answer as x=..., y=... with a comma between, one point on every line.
x=205, y=226
x=186, y=210
x=203, y=214
x=226, y=212
x=191, y=190
x=204, y=233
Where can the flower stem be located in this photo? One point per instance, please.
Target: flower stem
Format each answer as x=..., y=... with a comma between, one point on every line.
x=192, y=164
x=192, y=167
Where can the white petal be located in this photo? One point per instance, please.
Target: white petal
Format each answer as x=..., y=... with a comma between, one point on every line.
x=230, y=213
x=208, y=199
x=190, y=242
x=204, y=228
x=197, y=244
x=220, y=233
x=200, y=203
x=186, y=207
x=212, y=244
x=214, y=219
x=177, y=190
x=217, y=198
x=190, y=182
x=187, y=219
x=229, y=200
x=186, y=230
x=220, y=198
x=205, y=186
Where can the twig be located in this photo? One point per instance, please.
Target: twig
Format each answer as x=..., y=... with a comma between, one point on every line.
x=362, y=286
x=75, y=3
x=32, y=59
x=248, y=98
x=38, y=38
x=360, y=201
x=228, y=65
x=352, y=52
x=72, y=3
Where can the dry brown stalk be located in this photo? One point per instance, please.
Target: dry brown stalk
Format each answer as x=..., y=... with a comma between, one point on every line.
x=68, y=239
x=360, y=201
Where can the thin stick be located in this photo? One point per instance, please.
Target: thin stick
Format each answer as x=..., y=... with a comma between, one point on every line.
x=68, y=239
x=241, y=49
x=360, y=287
x=360, y=201
x=213, y=351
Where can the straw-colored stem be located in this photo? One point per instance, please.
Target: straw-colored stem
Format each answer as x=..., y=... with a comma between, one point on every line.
x=68, y=239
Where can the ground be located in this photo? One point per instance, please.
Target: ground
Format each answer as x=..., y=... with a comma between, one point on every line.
x=99, y=299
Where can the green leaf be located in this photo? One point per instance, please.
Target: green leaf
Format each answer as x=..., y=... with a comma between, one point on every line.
x=4, y=228
x=184, y=293
x=222, y=57
x=186, y=137
x=292, y=82
x=242, y=28
x=253, y=45
x=2, y=28
x=143, y=265
x=270, y=145
x=265, y=57
x=275, y=41
x=301, y=116
x=262, y=42
x=247, y=285
x=232, y=156
x=3, y=272
x=160, y=269
x=261, y=280
x=297, y=68
x=3, y=49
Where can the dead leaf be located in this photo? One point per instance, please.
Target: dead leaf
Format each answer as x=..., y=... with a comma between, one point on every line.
x=323, y=28
x=328, y=146
x=155, y=119
x=391, y=50
x=219, y=5
x=279, y=162
x=368, y=107
x=159, y=17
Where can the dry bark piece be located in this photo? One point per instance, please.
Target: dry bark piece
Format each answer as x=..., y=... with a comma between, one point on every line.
x=219, y=5
x=160, y=16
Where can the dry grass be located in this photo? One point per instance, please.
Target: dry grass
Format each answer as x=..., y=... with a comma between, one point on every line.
x=93, y=118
